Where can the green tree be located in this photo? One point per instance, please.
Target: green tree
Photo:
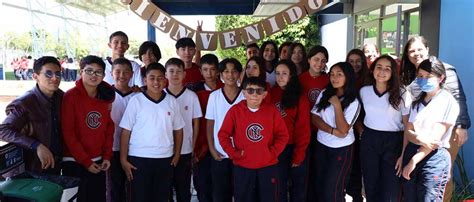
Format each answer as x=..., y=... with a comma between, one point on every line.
x=305, y=31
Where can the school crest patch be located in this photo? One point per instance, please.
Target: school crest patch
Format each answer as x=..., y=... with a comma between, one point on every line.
x=254, y=132
x=313, y=94
x=92, y=119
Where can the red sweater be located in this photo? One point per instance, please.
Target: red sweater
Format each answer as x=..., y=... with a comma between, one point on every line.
x=312, y=87
x=193, y=77
x=298, y=123
x=260, y=135
x=86, y=124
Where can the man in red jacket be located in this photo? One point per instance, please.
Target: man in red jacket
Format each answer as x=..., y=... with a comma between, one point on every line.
x=88, y=129
x=253, y=135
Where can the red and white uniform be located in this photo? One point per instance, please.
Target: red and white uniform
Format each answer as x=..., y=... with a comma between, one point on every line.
x=193, y=77
x=86, y=124
x=259, y=135
x=297, y=120
x=312, y=88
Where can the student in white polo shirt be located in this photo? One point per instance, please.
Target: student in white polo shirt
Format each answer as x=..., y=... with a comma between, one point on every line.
x=433, y=114
x=220, y=101
x=190, y=109
x=334, y=114
x=386, y=107
x=122, y=73
x=152, y=135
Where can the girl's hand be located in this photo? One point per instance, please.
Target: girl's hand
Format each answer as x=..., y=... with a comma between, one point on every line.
x=408, y=169
x=398, y=166
x=334, y=100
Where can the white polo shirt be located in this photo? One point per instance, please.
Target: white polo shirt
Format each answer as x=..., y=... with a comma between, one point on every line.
x=152, y=124
x=217, y=107
x=135, y=80
x=118, y=108
x=442, y=108
x=328, y=116
x=190, y=109
x=379, y=113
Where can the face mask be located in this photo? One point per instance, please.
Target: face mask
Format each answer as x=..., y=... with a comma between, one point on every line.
x=427, y=84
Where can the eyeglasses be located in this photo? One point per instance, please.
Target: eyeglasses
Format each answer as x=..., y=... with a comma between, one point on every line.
x=91, y=72
x=251, y=91
x=49, y=74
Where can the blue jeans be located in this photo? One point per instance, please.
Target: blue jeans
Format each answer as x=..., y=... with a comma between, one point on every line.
x=430, y=176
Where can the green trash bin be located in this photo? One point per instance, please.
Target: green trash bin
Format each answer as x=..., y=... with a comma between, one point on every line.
x=30, y=189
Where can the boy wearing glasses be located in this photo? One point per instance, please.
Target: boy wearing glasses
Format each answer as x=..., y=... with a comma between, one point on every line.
x=190, y=110
x=253, y=135
x=152, y=135
x=88, y=129
x=220, y=101
x=33, y=120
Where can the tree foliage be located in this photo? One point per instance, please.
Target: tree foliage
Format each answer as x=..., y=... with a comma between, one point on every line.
x=305, y=31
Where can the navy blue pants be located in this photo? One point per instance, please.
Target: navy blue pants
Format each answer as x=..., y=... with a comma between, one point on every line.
x=379, y=153
x=252, y=185
x=293, y=178
x=312, y=158
x=91, y=186
x=202, y=178
x=354, y=186
x=430, y=176
x=221, y=175
x=182, y=179
x=116, y=179
x=333, y=166
x=151, y=180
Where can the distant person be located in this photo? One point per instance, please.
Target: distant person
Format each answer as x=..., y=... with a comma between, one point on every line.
x=252, y=50
x=283, y=50
x=269, y=54
x=297, y=54
x=371, y=52
x=118, y=44
x=33, y=120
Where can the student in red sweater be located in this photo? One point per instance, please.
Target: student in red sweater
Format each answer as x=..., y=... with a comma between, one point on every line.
x=294, y=108
x=313, y=83
x=253, y=134
x=88, y=129
x=202, y=157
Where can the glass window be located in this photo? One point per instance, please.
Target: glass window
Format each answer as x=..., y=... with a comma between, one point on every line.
x=389, y=36
x=366, y=17
x=414, y=28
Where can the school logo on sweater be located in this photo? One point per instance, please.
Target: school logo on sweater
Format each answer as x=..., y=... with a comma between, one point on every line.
x=254, y=132
x=92, y=119
x=313, y=94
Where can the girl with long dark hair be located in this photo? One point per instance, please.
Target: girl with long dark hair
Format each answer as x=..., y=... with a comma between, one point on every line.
x=269, y=54
x=294, y=108
x=297, y=54
x=433, y=114
x=386, y=105
x=255, y=67
x=334, y=115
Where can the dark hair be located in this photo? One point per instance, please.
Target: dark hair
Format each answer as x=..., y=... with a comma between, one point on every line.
x=155, y=66
x=261, y=68
x=223, y=64
x=118, y=33
x=40, y=62
x=92, y=59
x=408, y=69
x=149, y=45
x=434, y=66
x=350, y=92
x=210, y=59
x=287, y=43
x=292, y=92
x=363, y=74
x=175, y=61
x=262, y=49
x=185, y=42
x=304, y=61
x=122, y=61
x=253, y=80
x=393, y=84
x=252, y=45
x=318, y=49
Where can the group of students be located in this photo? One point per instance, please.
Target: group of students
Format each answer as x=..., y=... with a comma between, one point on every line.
x=282, y=127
